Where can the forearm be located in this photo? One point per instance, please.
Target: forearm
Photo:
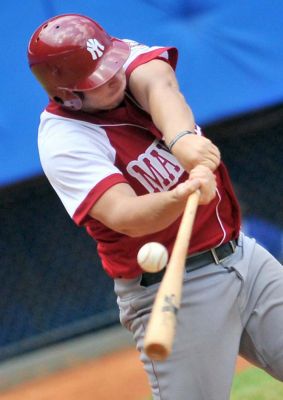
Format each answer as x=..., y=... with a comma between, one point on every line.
x=171, y=115
x=190, y=149
x=155, y=87
x=145, y=215
x=121, y=210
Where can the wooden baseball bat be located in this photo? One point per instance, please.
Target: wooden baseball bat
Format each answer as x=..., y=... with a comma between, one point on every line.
x=160, y=331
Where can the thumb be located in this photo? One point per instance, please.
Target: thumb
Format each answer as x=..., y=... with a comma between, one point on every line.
x=184, y=189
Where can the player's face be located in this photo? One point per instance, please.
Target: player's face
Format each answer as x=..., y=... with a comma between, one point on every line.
x=107, y=96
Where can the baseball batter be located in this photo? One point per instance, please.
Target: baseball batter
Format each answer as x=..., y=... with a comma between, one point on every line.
x=120, y=146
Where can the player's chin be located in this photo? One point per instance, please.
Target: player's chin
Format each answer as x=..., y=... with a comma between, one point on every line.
x=118, y=97
x=115, y=103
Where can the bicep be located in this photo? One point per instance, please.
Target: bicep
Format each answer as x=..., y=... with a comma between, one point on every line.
x=111, y=208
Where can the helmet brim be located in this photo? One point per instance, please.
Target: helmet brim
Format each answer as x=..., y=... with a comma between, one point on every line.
x=111, y=62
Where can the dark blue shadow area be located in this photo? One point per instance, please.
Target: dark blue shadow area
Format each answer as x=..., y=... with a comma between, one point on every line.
x=54, y=286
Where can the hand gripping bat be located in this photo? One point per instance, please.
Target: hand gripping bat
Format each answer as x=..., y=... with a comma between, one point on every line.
x=161, y=327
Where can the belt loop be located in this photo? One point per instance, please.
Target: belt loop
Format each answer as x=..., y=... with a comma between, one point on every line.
x=215, y=256
x=233, y=245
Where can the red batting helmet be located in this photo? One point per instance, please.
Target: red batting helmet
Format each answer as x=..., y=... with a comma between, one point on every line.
x=71, y=52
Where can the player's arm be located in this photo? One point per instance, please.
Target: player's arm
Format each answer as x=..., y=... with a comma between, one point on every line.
x=120, y=209
x=155, y=87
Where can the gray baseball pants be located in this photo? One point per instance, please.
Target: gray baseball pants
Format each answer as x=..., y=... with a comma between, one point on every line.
x=230, y=308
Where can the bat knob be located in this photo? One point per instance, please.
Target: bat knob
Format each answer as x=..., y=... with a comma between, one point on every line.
x=156, y=351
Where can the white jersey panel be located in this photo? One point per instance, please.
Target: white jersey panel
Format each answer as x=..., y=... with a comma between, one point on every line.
x=75, y=156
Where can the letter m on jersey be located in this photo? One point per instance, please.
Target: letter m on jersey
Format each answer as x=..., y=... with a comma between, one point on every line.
x=156, y=169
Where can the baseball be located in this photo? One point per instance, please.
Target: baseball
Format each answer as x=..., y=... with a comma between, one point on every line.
x=152, y=257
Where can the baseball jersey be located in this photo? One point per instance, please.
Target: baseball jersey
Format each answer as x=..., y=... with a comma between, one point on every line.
x=83, y=155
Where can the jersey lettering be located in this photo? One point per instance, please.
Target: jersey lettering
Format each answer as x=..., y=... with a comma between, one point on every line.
x=156, y=169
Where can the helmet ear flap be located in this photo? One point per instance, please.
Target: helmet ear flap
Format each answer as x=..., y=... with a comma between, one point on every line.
x=67, y=99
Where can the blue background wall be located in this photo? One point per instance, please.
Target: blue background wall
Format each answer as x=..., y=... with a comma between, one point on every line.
x=231, y=60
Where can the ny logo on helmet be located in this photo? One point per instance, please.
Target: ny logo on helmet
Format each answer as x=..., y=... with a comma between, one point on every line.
x=95, y=48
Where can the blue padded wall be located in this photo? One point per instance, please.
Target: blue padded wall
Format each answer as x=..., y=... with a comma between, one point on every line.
x=230, y=60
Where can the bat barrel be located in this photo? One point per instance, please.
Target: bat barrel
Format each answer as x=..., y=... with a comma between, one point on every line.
x=160, y=331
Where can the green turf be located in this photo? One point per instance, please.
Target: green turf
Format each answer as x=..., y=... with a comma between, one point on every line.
x=254, y=384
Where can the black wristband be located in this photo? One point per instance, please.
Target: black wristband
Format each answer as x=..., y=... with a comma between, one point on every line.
x=177, y=137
